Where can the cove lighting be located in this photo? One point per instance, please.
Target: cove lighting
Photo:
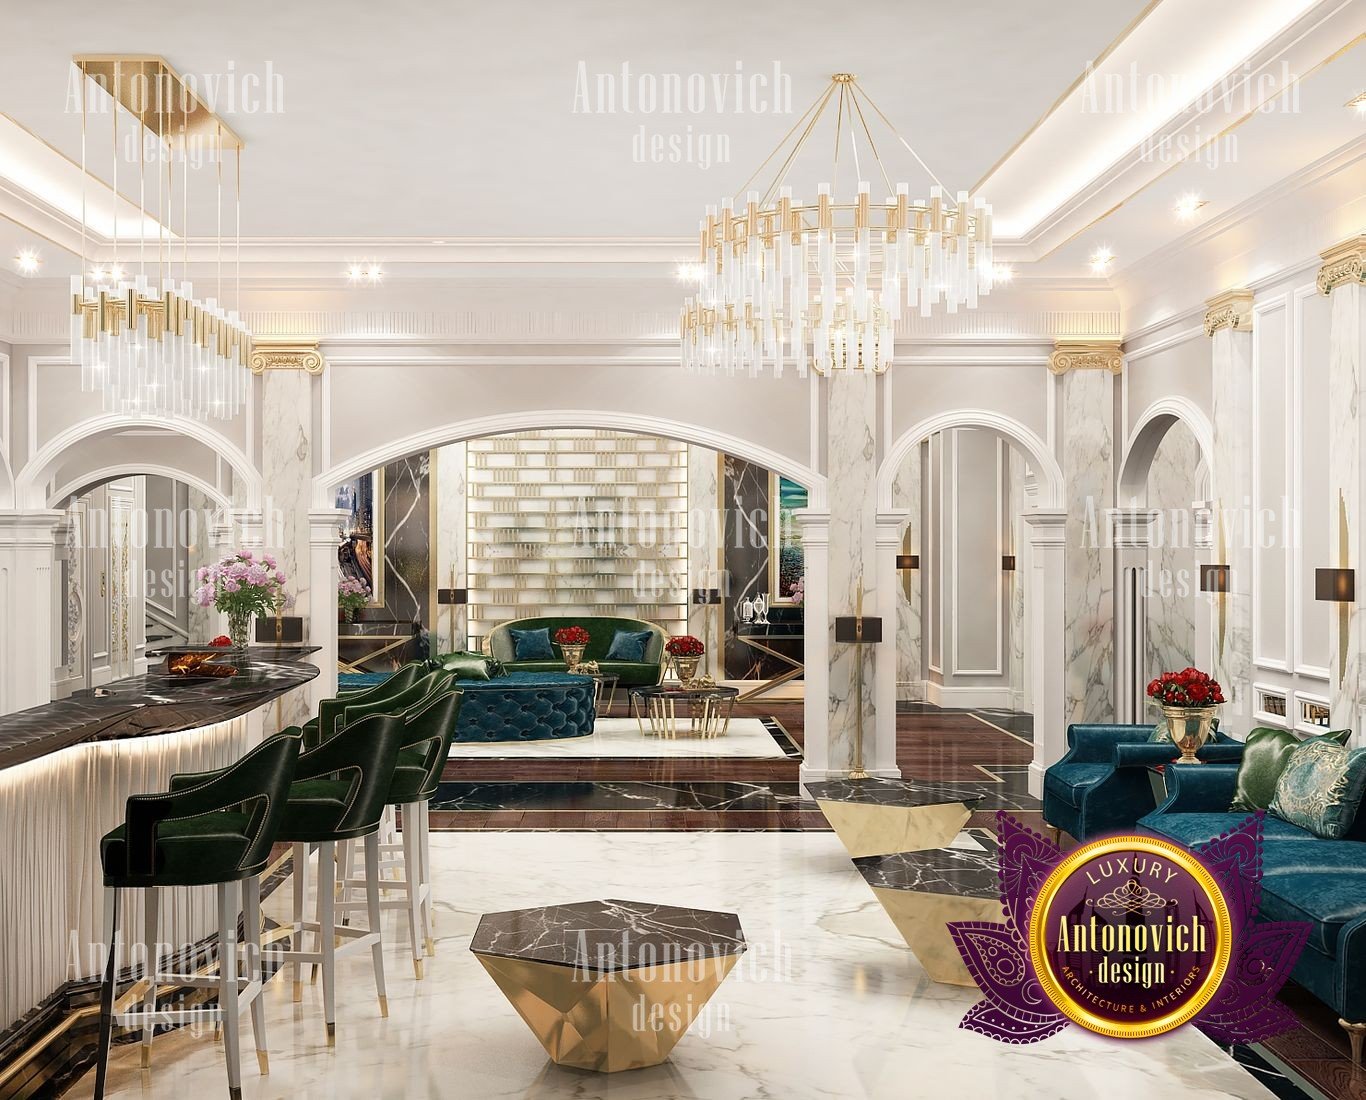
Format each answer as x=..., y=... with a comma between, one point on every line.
x=364, y=273
x=28, y=261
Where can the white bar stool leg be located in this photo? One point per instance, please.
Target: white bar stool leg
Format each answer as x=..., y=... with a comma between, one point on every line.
x=327, y=933
x=255, y=967
x=227, y=985
x=344, y=892
x=425, y=880
x=151, y=963
x=412, y=867
x=300, y=891
x=373, y=909
x=110, y=926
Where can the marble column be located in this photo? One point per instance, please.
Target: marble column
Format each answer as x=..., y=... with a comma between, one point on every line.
x=910, y=670
x=1341, y=278
x=1086, y=421
x=890, y=530
x=1017, y=494
x=323, y=524
x=704, y=550
x=815, y=527
x=28, y=605
x=451, y=472
x=1048, y=656
x=1228, y=322
x=202, y=551
x=851, y=470
x=1132, y=533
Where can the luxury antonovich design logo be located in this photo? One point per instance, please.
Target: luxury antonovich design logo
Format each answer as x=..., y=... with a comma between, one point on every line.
x=1129, y=936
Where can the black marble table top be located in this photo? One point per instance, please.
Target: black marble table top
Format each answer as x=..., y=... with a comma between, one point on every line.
x=683, y=692
x=893, y=792
x=224, y=655
x=607, y=936
x=152, y=703
x=962, y=872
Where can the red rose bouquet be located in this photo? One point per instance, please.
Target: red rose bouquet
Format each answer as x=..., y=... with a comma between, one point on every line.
x=1188, y=688
x=571, y=635
x=685, y=645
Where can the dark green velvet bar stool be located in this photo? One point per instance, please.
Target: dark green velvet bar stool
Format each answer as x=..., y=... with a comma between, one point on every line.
x=429, y=727
x=330, y=711
x=210, y=829
x=338, y=794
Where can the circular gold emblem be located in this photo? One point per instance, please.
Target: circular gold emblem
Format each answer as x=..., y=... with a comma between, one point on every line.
x=1130, y=936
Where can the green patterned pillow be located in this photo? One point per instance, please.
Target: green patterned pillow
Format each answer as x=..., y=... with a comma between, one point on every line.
x=1321, y=788
x=1162, y=731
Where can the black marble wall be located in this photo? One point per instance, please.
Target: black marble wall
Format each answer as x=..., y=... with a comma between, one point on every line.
x=408, y=536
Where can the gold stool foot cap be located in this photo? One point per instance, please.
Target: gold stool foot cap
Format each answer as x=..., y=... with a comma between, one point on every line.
x=384, y=1007
x=431, y=946
x=331, y=1035
x=263, y=1060
x=298, y=992
x=417, y=969
x=146, y=1057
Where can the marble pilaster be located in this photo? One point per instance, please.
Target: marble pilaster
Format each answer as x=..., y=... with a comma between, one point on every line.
x=323, y=524
x=1228, y=322
x=851, y=469
x=28, y=605
x=890, y=529
x=1173, y=583
x=1047, y=646
x=910, y=670
x=1016, y=493
x=449, y=545
x=1086, y=420
x=704, y=547
x=815, y=526
x=1341, y=278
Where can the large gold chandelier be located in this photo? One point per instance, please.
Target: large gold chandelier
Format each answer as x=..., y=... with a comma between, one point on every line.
x=822, y=284
x=140, y=335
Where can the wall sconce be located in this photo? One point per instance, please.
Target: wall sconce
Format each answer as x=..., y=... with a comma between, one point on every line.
x=452, y=596
x=1214, y=578
x=279, y=629
x=1335, y=585
x=908, y=561
x=858, y=629
x=706, y=595
x=1007, y=563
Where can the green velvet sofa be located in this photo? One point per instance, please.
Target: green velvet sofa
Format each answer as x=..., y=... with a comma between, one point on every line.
x=601, y=630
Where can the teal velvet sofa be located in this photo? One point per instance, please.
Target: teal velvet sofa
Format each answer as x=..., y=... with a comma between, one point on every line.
x=1304, y=878
x=1103, y=784
x=601, y=630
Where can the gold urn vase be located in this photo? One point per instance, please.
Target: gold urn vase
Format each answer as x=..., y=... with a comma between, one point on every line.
x=1189, y=728
x=573, y=655
x=685, y=668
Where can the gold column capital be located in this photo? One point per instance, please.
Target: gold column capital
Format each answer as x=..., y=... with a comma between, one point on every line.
x=1069, y=355
x=1231, y=310
x=1344, y=263
x=286, y=355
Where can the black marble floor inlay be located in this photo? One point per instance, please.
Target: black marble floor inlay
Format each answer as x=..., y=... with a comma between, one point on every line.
x=893, y=792
x=619, y=796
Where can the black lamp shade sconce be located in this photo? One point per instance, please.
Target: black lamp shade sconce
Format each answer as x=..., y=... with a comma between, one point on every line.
x=1214, y=578
x=1335, y=585
x=1007, y=563
x=706, y=595
x=858, y=630
x=452, y=596
x=278, y=629
x=908, y=561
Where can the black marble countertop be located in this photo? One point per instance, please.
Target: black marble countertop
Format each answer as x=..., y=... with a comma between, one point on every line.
x=287, y=652
x=892, y=792
x=605, y=936
x=962, y=872
x=152, y=703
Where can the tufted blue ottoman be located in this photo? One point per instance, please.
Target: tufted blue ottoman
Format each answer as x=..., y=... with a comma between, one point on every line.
x=525, y=706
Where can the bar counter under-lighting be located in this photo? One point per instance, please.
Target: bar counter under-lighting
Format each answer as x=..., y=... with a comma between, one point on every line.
x=66, y=770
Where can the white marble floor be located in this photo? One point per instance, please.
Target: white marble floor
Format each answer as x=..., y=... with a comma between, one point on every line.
x=828, y=1002
x=621, y=737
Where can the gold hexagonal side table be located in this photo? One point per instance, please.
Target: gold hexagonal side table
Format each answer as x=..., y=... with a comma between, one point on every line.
x=877, y=817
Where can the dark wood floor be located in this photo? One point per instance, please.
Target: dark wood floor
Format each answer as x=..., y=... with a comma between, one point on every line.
x=692, y=793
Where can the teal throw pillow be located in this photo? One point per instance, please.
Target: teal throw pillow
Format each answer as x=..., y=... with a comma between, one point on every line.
x=629, y=645
x=1321, y=788
x=531, y=645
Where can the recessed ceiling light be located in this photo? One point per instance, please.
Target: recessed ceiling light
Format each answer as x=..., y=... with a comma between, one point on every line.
x=1357, y=103
x=1101, y=259
x=689, y=273
x=1002, y=273
x=364, y=273
x=439, y=241
x=28, y=261
x=1188, y=204
x=115, y=273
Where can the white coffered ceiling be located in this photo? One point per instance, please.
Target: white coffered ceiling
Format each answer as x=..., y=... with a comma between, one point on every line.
x=435, y=136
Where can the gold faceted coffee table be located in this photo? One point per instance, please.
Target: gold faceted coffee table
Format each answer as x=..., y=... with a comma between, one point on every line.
x=608, y=985
x=876, y=817
x=923, y=891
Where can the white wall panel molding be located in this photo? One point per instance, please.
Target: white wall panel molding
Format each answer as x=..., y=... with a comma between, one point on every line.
x=1272, y=582
x=1310, y=511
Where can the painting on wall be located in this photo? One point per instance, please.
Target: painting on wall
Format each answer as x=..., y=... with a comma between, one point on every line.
x=361, y=530
x=787, y=565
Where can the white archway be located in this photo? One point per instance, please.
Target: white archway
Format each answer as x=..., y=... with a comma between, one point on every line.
x=31, y=485
x=85, y=482
x=6, y=483
x=324, y=485
x=1148, y=433
x=1047, y=472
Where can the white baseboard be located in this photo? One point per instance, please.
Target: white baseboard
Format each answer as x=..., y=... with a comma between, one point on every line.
x=968, y=698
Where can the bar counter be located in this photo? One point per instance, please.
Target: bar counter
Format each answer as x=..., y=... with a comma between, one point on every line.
x=66, y=770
